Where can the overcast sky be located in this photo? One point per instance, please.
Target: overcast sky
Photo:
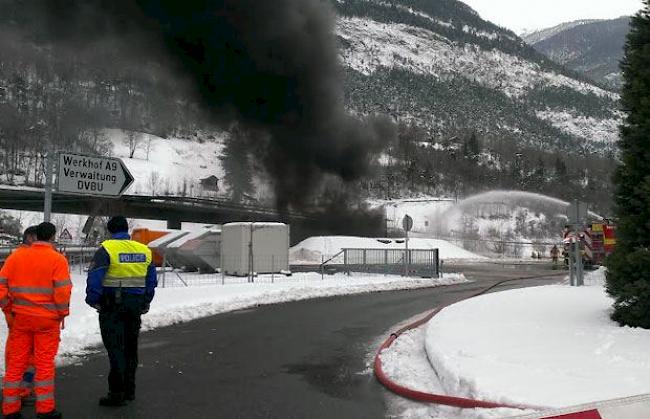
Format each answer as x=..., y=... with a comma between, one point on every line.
x=518, y=15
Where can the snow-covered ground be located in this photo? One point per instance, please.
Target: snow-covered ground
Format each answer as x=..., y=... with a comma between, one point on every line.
x=549, y=346
x=315, y=250
x=176, y=304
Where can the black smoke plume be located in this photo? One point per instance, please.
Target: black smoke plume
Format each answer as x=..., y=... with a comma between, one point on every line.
x=268, y=65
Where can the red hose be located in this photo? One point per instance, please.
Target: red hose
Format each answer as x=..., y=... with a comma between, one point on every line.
x=421, y=396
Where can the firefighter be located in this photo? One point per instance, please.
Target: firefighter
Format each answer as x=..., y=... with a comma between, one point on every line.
x=555, y=254
x=120, y=286
x=35, y=288
x=26, y=392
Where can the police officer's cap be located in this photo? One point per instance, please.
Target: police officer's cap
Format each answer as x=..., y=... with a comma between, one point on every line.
x=117, y=224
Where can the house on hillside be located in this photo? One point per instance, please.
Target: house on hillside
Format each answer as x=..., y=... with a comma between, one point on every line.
x=209, y=185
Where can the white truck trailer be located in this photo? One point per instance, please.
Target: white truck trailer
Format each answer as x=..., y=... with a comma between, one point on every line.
x=254, y=248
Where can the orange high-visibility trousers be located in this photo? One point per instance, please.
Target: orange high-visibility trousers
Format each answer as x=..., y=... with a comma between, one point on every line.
x=25, y=386
x=30, y=335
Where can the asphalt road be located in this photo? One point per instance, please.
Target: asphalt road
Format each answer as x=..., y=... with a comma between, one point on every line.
x=299, y=360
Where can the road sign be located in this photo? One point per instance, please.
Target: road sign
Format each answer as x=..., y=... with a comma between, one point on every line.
x=88, y=226
x=65, y=235
x=407, y=223
x=577, y=212
x=92, y=175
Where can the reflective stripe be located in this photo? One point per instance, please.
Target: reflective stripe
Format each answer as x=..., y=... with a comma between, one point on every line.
x=133, y=282
x=43, y=383
x=4, y=302
x=12, y=384
x=11, y=399
x=3, y=281
x=49, y=306
x=23, y=302
x=32, y=290
x=43, y=397
x=62, y=283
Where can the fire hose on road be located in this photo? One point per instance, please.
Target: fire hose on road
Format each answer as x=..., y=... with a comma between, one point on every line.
x=442, y=399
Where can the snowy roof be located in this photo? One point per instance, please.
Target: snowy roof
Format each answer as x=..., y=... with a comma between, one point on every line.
x=255, y=224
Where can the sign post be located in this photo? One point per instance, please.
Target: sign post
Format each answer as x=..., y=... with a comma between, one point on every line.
x=577, y=215
x=407, y=224
x=49, y=169
x=92, y=175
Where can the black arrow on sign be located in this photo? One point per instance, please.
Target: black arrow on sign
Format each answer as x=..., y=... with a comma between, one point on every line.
x=128, y=177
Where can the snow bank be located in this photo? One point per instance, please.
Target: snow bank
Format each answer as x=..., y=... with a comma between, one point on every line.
x=175, y=305
x=315, y=249
x=406, y=363
x=546, y=346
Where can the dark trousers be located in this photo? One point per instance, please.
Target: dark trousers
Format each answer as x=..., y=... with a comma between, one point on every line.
x=119, y=322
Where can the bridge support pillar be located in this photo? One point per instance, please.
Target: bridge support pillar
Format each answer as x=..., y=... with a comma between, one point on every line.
x=174, y=224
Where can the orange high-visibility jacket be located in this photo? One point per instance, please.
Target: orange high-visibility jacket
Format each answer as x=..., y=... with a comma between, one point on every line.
x=7, y=309
x=36, y=281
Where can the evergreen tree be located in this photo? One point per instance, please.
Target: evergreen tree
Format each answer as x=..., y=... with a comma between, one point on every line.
x=560, y=170
x=471, y=147
x=628, y=275
x=539, y=174
x=237, y=165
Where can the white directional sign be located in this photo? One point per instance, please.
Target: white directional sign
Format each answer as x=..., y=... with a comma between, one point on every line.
x=92, y=175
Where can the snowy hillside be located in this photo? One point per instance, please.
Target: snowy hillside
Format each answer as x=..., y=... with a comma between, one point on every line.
x=495, y=223
x=591, y=47
x=373, y=45
x=169, y=166
x=443, y=67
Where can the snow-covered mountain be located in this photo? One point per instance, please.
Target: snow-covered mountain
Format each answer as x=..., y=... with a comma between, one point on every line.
x=533, y=37
x=442, y=66
x=591, y=47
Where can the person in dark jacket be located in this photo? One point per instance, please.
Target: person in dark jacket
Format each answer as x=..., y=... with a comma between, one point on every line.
x=121, y=285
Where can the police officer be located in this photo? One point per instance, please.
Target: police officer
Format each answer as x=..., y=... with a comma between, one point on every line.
x=121, y=284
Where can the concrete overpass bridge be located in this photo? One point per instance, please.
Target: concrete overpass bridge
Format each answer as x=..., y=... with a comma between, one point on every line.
x=172, y=209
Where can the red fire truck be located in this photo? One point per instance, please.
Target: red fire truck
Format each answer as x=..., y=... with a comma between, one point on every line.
x=599, y=242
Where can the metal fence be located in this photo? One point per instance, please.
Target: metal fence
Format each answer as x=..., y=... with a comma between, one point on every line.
x=265, y=268
x=416, y=262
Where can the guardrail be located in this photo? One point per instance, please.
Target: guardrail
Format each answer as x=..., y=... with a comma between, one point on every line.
x=77, y=254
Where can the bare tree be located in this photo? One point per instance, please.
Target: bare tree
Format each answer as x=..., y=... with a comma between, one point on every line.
x=133, y=140
x=148, y=146
x=154, y=180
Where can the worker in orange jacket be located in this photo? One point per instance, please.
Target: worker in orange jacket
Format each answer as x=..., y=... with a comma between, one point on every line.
x=26, y=387
x=35, y=285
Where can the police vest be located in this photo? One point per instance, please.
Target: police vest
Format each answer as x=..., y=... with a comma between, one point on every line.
x=130, y=261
